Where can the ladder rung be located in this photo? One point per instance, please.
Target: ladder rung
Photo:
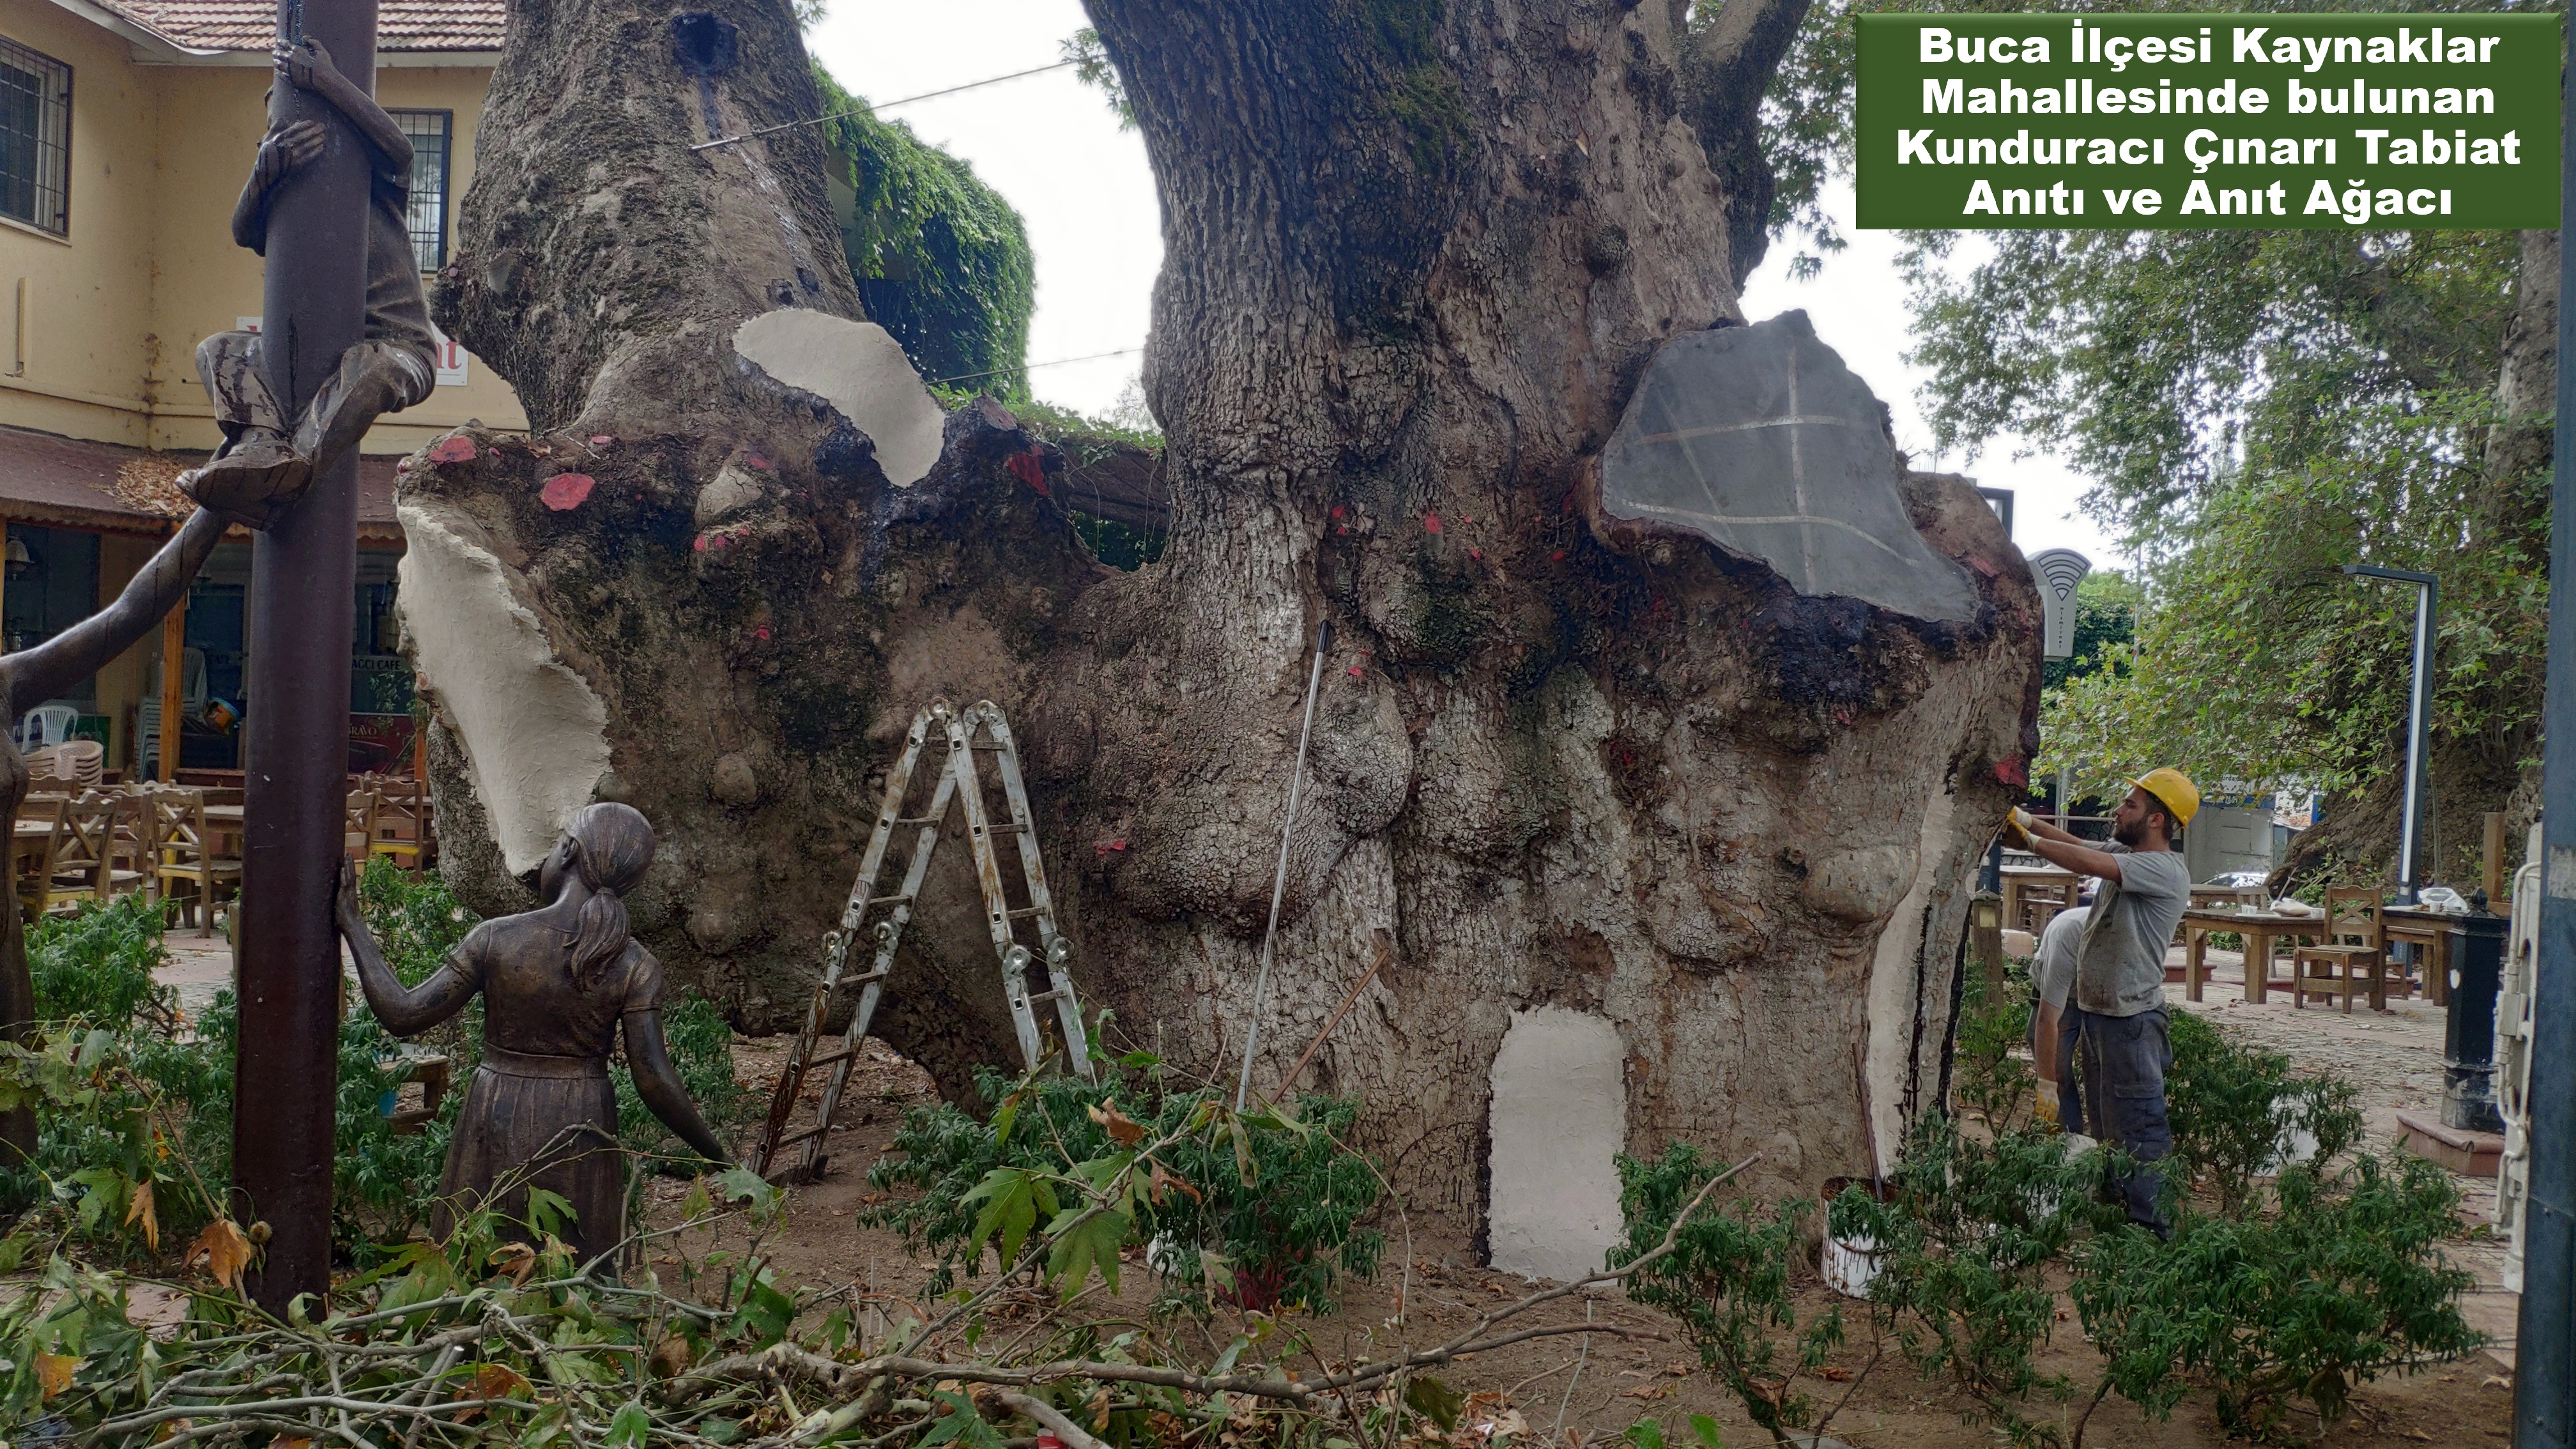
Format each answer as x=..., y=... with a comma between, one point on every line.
x=915, y=820
x=792, y=1138
x=819, y=1063
x=888, y=900
x=1057, y=994
x=1027, y=911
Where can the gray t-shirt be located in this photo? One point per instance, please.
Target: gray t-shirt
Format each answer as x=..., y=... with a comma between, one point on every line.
x=2121, y=969
x=2052, y=970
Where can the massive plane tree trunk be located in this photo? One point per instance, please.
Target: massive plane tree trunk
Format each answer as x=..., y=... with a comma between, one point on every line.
x=1707, y=838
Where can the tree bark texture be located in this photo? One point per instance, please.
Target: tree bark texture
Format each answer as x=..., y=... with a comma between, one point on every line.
x=1416, y=257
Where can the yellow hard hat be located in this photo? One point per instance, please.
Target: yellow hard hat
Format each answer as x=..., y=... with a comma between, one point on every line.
x=2175, y=790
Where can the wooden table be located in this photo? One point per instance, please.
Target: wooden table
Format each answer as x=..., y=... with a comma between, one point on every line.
x=224, y=823
x=2262, y=930
x=2420, y=927
x=2017, y=876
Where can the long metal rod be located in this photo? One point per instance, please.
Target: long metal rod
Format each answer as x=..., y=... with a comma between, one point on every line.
x=303, y=579
x=882, y=105
x=2544, y=1381
x=1279, y=882
x=2419, y=723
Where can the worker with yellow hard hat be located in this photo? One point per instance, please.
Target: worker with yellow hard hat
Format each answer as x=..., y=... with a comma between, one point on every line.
x=2117, y=1013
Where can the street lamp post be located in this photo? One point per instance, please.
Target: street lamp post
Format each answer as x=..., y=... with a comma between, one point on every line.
x=2544, y=1381
x=2419, y=723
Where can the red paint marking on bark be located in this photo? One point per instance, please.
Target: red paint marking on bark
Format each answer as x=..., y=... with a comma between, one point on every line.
x=2012, y=772
x=601, y=440
x=567, y=490
x=701, y=545
x=1355, y=671
x=1030, y=468
x=756, y=461
x=1981, y=566
x=1431, y=523
x=1477, y=554
x=1557, y=557
x=453, y=450
x=1337, y=510
x=402, y=465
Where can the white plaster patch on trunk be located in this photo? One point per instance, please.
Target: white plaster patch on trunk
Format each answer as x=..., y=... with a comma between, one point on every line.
x=860, y=369
x=534, y=735
x=1893, y=991
x=1560, y=1114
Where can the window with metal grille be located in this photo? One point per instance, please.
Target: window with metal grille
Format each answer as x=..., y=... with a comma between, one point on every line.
x=427, y=216
x=35, y=138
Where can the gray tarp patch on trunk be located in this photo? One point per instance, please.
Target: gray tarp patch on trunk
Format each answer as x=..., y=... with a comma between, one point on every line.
x=1759, y=438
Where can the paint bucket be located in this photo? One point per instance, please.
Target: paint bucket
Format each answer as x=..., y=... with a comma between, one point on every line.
x=1849, y=1264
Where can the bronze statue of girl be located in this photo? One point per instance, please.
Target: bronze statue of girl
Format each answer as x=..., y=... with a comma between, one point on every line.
x=557, y=984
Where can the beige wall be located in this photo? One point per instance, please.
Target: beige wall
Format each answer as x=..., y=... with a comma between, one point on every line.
x=158, y=157
x=88, y=310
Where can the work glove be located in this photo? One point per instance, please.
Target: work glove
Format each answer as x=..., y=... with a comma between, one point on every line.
x=2048, y=1106
x=2020, y=821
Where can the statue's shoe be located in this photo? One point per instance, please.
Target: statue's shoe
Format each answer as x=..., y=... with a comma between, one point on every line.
x=251, y=484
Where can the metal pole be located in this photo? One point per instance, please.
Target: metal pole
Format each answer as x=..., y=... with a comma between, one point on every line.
x=2544, y=1408
x=296, y=720
x=2419, y=723
x=1279, y=882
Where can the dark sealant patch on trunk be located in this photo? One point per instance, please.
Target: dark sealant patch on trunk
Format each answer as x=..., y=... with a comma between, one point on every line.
x=705, y=46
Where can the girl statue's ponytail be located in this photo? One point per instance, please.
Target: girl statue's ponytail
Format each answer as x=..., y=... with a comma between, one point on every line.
x=612, y=846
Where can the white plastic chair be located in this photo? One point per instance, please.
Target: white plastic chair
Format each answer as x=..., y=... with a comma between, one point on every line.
x=46, y=724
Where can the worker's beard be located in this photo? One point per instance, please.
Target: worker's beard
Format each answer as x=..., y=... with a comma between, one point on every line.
x=2132, y=835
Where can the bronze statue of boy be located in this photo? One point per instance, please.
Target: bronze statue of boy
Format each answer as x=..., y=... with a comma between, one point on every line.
x=267, y=460
x=558, y=983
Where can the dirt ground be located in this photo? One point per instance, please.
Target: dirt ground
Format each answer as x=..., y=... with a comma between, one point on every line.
x=2393, y=1057
x=1595, y=1394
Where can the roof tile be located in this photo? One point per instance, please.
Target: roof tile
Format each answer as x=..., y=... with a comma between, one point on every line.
x=252, y=24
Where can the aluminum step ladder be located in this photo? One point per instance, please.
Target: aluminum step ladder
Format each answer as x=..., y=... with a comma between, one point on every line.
x=979, y=729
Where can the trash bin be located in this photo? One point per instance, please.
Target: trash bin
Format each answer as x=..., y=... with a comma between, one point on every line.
x=2468, y=1037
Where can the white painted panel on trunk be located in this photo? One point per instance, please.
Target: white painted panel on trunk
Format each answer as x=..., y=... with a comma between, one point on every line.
x=1560, y=1114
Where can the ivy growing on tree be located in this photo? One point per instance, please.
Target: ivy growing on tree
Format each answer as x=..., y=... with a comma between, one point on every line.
x=941, y=260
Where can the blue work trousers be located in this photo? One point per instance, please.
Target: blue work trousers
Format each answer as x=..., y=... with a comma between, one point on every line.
x=2125, y=1058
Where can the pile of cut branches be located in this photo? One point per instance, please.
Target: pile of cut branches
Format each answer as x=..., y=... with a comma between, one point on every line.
x=499, y=1335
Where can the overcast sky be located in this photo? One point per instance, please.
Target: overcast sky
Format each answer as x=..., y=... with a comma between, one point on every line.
x=1053, y=149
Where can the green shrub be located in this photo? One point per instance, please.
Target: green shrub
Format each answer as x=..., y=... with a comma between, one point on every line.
x=2339, y=1278
x=95, y=965
x=2231, y=1105
x=1261, y=1210
x=1727, y=1283
x=1970, y=1235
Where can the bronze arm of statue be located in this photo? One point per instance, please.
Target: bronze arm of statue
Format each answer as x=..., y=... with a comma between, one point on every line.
x=32, y=676
x=38, y=674
x=559, y=985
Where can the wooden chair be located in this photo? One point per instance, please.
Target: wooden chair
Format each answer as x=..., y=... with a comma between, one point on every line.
x=359, y=830
x=80, y=858
x=2042, y=900
x=402, y=824
x=186, y=853
x=2350, y=959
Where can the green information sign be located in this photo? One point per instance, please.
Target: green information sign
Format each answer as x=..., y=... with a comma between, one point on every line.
x=2179, y=122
